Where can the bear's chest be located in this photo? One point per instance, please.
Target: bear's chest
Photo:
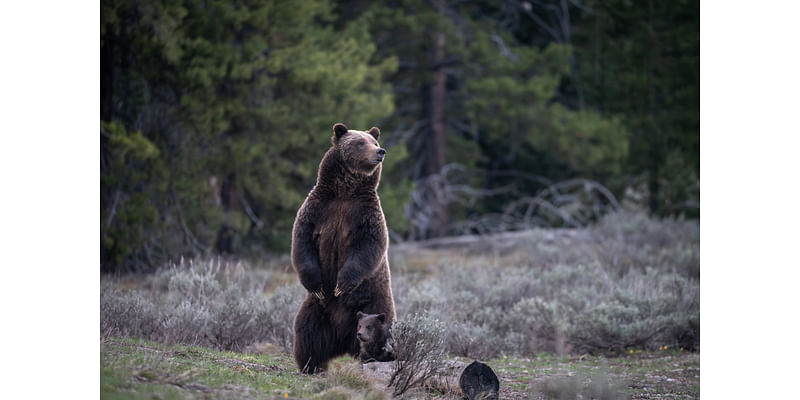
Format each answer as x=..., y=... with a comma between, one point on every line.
x=336, y=217
x=334, y=230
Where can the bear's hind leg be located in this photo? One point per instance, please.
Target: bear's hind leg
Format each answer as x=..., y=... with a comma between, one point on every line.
x=312, y=338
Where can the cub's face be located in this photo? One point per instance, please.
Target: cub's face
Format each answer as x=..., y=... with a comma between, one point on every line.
x=360, y=150
x=371, y=327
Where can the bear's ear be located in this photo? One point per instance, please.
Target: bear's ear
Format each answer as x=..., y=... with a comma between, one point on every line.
x=381, y=317
x=360, y=315
x=339, y=130
x=375, y=132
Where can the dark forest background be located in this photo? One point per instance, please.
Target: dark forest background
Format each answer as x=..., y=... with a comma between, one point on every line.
x=496, y=115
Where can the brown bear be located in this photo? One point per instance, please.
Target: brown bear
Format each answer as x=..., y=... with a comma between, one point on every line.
x=375, y=336
x=339, y=244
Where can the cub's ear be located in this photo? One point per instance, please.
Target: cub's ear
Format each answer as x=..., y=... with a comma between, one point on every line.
x=381, y=317
x=360, y=315
x=375, y=132
x=339, y=130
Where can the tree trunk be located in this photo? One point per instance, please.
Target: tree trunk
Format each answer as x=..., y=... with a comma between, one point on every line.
x=654, y=131
x=435, y=156
x=434, y=150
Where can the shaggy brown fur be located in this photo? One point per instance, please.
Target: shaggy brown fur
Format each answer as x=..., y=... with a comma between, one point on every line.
x=339, y=244
x=375, y=336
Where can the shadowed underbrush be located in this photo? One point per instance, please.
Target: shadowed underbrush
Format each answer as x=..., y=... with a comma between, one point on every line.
x=628, y=282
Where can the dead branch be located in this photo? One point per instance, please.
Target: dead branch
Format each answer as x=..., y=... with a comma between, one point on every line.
x=187, y=233
x=572, y=203
x=113, y=208
x=249, y=211
x=504, y=50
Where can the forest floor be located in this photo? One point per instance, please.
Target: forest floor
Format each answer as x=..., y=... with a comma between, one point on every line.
x=138, y=369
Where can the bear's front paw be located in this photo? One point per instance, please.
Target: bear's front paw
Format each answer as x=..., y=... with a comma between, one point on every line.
x=343, y=287
x=319, y=296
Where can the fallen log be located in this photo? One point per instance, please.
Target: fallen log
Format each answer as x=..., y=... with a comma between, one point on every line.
x=473, y=381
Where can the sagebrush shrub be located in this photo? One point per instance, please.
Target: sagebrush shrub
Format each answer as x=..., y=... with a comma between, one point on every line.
x=207, y=302
x=628, y=282
x=127, y=313
x=419, y=348
x=185, y=323
x=604, y=289
x=233, y=322
x=276, y=317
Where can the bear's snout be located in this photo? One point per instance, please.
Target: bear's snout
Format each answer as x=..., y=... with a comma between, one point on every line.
x=381, y=154
x=360, y=336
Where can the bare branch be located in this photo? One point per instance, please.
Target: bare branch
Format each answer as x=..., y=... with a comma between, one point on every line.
x=571, y=203
x=539, y=21
x=114, y=204
x=581, y=6
x=249, y=211
x=187, y=233
x=504, y=49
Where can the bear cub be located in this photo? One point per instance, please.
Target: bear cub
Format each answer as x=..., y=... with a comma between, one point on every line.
x=375, y=336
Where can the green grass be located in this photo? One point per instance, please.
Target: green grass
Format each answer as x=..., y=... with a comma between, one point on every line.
x=138, y=369
x=642, y=375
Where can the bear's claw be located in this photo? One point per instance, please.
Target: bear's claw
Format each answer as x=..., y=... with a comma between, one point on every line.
x=321, y=297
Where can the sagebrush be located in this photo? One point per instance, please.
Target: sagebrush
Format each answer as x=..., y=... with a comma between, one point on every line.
x=629, y=282
x=210, y=302
x=419, y=348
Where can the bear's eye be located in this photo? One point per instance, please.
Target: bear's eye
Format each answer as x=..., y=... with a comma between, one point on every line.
x=363, y=142
x=369, y=328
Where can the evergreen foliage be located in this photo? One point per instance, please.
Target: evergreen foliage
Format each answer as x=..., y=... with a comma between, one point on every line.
x=231, y=106
x=215, y=114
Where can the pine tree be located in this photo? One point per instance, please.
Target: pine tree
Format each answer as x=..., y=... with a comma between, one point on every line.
x=238, y=99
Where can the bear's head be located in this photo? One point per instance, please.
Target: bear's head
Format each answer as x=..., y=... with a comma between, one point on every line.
x=372, y=328
x=359, y=150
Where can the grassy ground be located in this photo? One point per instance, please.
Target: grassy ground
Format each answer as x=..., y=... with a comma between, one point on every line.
x=642, y=375
x=137, y=369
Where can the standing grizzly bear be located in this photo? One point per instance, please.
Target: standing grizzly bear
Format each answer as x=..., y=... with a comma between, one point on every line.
x=339, y=244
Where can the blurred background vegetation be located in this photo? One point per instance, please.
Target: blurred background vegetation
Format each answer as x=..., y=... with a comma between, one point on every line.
x=497, y=115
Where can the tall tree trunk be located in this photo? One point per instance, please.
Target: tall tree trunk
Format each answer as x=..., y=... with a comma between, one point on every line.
x=430, y=211
x=654, y=130
x=435, y=158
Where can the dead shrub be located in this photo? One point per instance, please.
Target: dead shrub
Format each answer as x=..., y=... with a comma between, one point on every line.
x=419, y=347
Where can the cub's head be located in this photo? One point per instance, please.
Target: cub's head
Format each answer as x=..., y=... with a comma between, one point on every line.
x=359, y=150
x=372, y=328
